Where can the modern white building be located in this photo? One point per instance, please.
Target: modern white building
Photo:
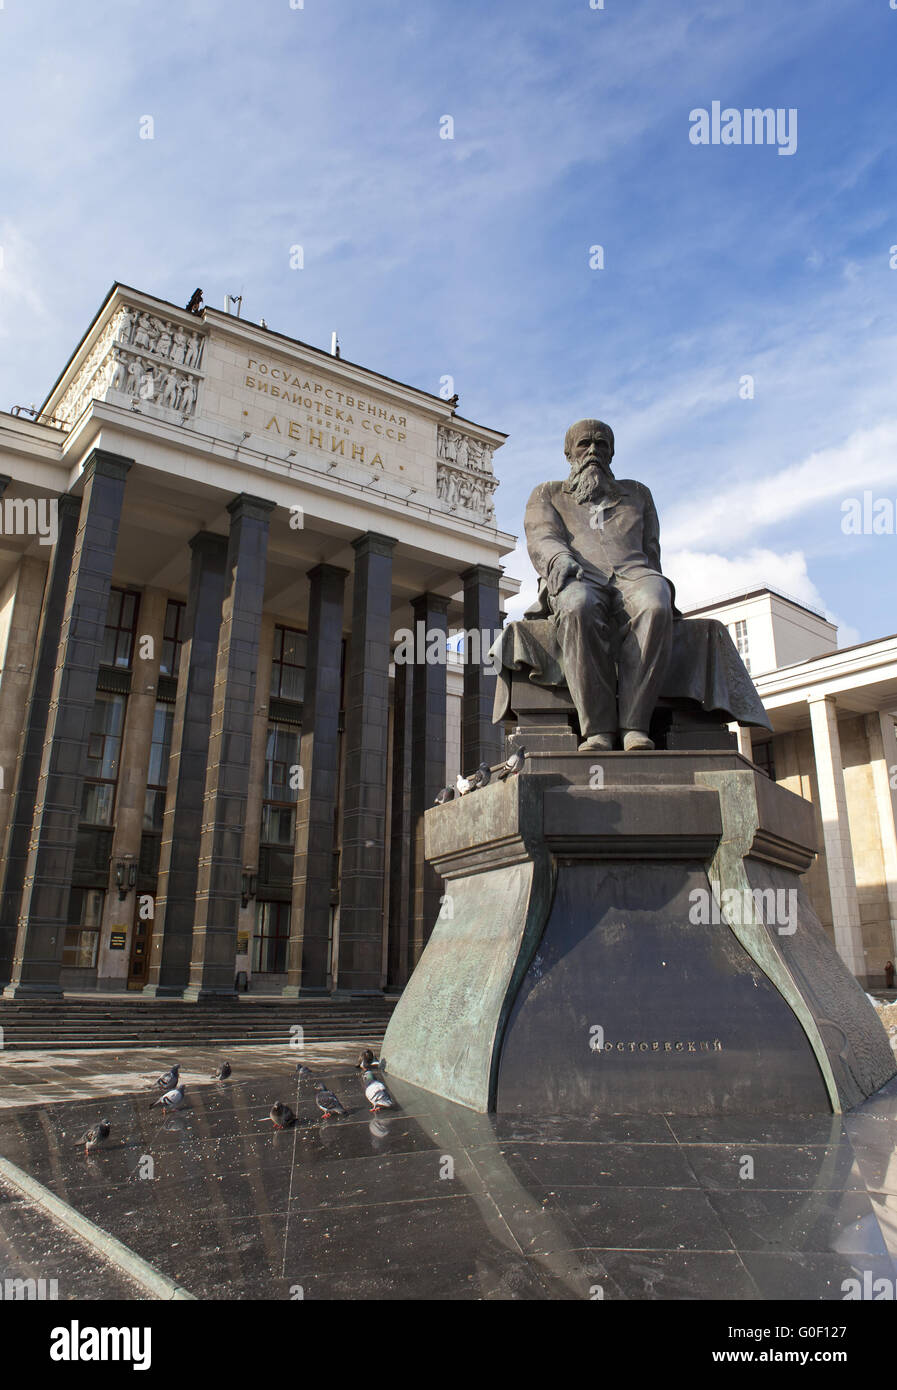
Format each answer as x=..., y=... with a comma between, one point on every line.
x=833, y=713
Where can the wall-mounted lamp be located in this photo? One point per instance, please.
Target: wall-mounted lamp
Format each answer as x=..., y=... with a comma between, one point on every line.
x=125, y=875
x=249, y=886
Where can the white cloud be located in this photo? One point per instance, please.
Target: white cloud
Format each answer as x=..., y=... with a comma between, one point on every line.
x=20, y=278
x=733, y=514
x=705, y=577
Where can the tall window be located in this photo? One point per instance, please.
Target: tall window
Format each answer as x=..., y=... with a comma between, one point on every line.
x=173, y=637
x=82, y=935
x=280, y=791
x=157, y=774
x=288, y=664
x=272, y=934
x=740, y=634
x=121, y=627
x=762, y=757
x=103, y=759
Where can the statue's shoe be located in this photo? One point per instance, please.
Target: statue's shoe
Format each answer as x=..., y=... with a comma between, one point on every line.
x=634, y=740
x=599, y=743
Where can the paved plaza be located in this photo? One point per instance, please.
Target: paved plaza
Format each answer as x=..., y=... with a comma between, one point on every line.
x=430, y=1200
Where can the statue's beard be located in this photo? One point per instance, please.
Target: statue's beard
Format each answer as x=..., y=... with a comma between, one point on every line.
x=592, y=482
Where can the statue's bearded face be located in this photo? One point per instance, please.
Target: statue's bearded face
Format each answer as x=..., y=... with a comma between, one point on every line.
x=590, y=453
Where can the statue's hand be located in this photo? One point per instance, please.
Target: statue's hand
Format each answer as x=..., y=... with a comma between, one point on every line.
x=562, y=569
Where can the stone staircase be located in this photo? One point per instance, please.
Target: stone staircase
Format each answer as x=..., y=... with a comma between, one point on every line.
x=122, y=1022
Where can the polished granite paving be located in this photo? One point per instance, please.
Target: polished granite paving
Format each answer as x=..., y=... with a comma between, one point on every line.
x=431, y=1201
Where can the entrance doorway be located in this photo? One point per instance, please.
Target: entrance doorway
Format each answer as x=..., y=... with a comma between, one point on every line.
x=141, y=943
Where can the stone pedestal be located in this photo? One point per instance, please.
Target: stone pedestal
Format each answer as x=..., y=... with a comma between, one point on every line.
x=627, y=933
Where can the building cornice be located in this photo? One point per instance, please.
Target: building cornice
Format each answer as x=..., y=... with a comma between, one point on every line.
x=261, y=338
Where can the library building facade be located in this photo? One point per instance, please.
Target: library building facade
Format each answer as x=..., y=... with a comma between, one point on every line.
x=216, y=543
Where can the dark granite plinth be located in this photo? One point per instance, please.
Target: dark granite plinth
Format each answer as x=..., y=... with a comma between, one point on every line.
x=628, y=934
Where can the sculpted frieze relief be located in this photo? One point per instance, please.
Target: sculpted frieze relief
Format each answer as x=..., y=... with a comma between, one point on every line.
x=462, y=450
x=464, y=478
x=142, y=356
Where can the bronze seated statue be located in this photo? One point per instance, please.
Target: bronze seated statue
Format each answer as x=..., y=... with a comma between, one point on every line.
x=604, y=652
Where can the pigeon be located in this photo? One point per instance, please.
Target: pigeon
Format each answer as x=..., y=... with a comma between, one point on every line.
x=447, y=794
x=95, y=1136
x=168, y=1079
x=367, y=1060
x=481, y=777
x=171, y=1099
x=304, y=1073
x=377, y=1094
x=281, y=1116
x=463, y=784
x=222, y=1073
x=513, y=765
x=327, y=1102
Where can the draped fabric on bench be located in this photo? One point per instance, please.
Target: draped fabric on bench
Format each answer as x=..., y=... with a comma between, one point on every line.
x=704, y=668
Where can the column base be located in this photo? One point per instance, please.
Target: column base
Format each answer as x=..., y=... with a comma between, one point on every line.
x=197, y=994
x=23, y=991
x=162, y=992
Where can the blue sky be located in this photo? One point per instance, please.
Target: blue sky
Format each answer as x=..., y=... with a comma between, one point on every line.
x=470, y=257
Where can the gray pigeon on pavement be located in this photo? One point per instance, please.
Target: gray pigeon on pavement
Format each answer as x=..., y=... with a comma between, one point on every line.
x=304, y=1073
x=327, y=1102
x=222, y=1073
x=168, y=1079
x=366, y=1060
x=281, y=1116
x=95, y=1136
x=171, y=1099
x=377, y=1094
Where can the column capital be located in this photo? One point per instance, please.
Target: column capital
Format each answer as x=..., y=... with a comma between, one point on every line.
x=103, y=464
x=822, y=700
x=245, y=505
x=373, y=543
x=482, y=574
x=68, y=504
x=436, y=603
x=325, y=571
x=209, y=541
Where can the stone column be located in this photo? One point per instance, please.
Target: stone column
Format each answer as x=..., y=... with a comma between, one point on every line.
x=21, y=598
x=481, y=740
x=253, y=828
x=181, y=827
x=137, y=737
x=363, y=858
x=34, y=728
x=428, y=704
x=398, y=957
x=220, y=872
x=836, y=833
x=57, y=811
x=745, y=742
x=308, y=961
x=883, y=756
